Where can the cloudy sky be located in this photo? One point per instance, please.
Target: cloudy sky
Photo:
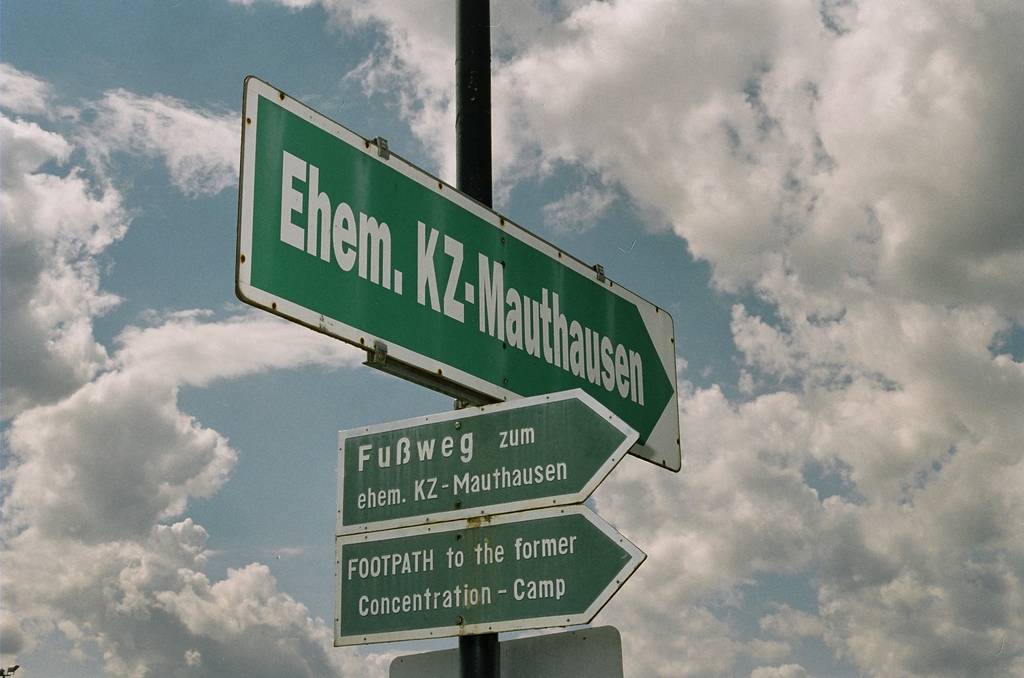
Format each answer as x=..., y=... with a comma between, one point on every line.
x=826, y=194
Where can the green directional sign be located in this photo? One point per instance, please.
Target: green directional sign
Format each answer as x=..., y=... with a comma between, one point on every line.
x=344, y=237
x=539, y=451
x=546, y=567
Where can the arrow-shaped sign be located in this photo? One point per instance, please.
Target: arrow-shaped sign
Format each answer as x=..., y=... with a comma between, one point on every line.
x=545, y=450
x=339, y=234
x=547, y=567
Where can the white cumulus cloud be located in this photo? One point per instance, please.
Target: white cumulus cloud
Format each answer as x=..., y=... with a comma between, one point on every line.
x=97, y=474
x=578, y=211
x=784, y=671
x=851, y=172
x=55, y=225
x=22, y=92
x=853, y=167
x=199, y=148
x=100, y=463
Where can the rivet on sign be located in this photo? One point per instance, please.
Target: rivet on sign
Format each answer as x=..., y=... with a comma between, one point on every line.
x=242, y=258
x=281, y=95
x=274, y=305
x=248, y=121
x=458, y=425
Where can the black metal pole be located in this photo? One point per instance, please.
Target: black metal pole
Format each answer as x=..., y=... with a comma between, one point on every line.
x=473, y=98
x=479, y=655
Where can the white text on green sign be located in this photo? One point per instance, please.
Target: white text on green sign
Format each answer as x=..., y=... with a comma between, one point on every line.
x=371, y=249
x=527, y=453
x=546, y=567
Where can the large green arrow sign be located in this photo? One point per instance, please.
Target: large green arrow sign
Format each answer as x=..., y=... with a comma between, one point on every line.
x=338, y=234
x=541, y=451
x=547, y=567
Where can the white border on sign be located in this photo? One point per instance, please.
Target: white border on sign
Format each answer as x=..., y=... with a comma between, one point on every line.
x=636, y=557
x=630, y=437
x=662, y=445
